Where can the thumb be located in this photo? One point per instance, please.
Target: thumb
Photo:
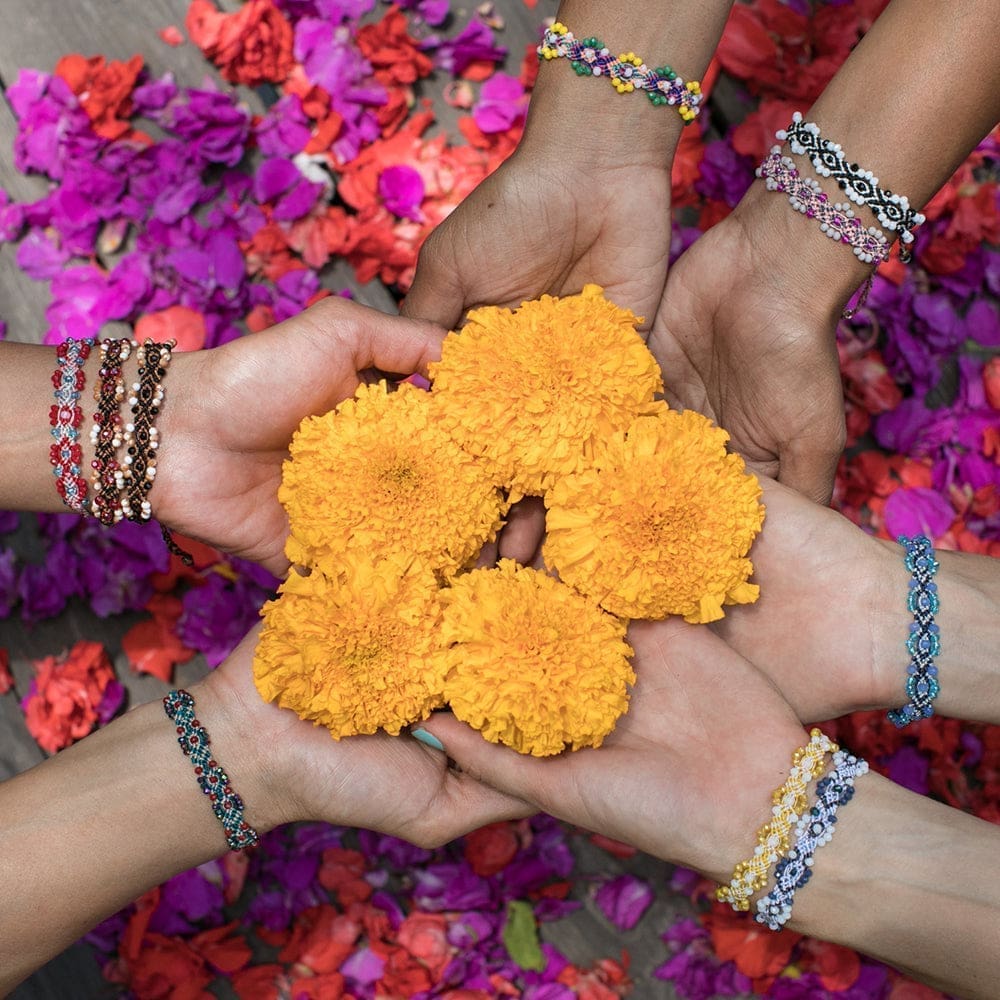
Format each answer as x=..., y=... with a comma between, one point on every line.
x=438, y=292
x=374, y=339
x=809, y=468
x=506, y=770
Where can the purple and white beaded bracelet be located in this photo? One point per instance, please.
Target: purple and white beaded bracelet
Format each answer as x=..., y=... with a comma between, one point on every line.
x=836, y=219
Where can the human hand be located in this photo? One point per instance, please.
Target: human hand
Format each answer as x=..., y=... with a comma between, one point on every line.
x=829, y=626
x=231, y=412
x=831, y=623
x=544, y=223
x=745, y=334
x=289, y=769
x=687, y=774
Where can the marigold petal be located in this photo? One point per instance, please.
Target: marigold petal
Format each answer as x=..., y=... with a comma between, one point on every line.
x=530, y=663
x=517, y=395
x=660, y=524
x=354, y=653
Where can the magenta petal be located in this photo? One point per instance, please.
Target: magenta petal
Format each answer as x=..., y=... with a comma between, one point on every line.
x=273, y=178
x=298, y=201
x=918, y=511
x=364, y=967
x=623, y=900
x=402, y=190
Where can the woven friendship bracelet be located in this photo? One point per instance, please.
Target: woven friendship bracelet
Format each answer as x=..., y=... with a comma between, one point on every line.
x=627, y=72
x=836, y=220
x=106, y=433
x=813, y=830
x=214, y=782
x=861, y=186
x=141, y=438
x=65, y=416
x=924, y=641
x=789, y=801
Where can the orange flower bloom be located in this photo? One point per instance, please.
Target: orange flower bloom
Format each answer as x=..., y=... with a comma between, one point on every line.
x=379, y=477
x=351, y=653
x=70, y=695
x=661, y=524
x=251, y=46
x=532, y=391
x=105, y=92
x=530, y=663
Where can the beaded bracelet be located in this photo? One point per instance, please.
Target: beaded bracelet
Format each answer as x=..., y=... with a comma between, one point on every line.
x=924, y=641
x=836, y=220
x=627, y=72
x=106, y=432
x=214, y=782
x=65, y=417
x=861, y=186
x=141, y=438
x=813, y=830
x=772, y=838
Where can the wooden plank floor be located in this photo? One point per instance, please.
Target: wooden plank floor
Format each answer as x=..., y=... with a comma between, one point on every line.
x=35, y=34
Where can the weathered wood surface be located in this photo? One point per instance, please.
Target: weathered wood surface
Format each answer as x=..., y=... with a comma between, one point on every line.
x=35, y=34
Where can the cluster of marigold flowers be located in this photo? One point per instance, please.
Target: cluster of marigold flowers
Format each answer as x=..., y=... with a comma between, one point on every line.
x=392, y=496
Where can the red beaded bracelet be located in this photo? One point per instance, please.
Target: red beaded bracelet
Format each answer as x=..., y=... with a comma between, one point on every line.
x=65, y=416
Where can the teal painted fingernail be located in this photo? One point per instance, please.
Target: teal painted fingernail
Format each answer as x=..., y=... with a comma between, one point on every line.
x=428, y=739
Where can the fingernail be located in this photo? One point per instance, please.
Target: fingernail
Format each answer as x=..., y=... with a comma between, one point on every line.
x=428, y=739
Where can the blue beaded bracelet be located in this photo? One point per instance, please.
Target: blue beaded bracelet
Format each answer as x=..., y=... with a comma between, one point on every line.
x=813, y=830
x=214, y=782
x=924, y=642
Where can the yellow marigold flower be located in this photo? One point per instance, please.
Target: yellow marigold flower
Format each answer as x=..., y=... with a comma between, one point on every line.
x=379, y=476
x=354, y=654
x=533, y=389
x=661, y=525
x=530, y=662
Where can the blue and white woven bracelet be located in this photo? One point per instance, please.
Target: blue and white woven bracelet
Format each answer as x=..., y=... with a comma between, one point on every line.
x=813, y=830
x=924, y=642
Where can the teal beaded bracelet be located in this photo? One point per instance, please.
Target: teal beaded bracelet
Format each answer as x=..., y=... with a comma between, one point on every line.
x=214, y=782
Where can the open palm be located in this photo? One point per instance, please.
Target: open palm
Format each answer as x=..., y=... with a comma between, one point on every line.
x=231, y=412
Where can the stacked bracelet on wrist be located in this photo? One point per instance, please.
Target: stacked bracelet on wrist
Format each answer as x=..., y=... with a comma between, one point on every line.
x=121, y=485
x=789, y=801
x=836, y=220
x=861, y=186
x=214, y=782
x=814, y=829
x=626, y=72
x=924, y=641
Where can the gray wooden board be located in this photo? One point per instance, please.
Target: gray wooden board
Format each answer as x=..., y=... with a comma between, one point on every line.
x=35, y=34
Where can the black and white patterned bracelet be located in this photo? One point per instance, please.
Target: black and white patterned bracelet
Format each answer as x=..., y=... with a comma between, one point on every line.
x=861, y=186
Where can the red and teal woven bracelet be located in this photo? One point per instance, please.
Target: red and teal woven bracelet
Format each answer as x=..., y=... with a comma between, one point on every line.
x=214, y=782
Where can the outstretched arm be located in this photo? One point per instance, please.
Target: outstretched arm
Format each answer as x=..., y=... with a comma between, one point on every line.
x=586, y=196
x=688, y=775
x=227, y=418
x=121, y=811
x=745, y=331
x=831, y=624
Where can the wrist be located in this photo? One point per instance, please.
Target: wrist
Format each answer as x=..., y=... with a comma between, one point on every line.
x=582, y=122
x=896, y=855
x=805, y=268
x=969, y=592
x=249, y=740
